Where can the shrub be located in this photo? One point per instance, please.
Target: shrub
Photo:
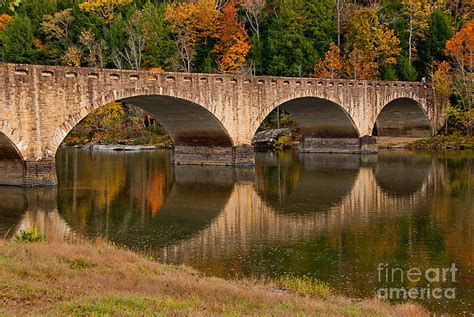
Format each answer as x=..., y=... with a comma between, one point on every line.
x=30, y=235
x=304, y=285
x=283, y=142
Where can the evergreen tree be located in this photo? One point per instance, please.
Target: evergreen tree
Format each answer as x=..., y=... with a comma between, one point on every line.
x=298, y=34
x=405, y=70
x=432, y=48
x=17, y=40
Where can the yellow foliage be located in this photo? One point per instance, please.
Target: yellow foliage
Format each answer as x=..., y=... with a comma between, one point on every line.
x=370, y=37
x=190, y=22
x=73, y=56
x=105, y=9
x=193, y=20
x=57, y=26
x=106, y=116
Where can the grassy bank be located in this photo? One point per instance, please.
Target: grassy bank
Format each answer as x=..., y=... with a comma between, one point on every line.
x=454, y=142
x=96, y=278
x=440, y=142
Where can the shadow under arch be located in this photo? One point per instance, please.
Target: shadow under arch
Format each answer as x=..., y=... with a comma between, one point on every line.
x=401, y=174
x=12, y=167
x=320, y=181
x=402, y=117
x=320, y=118
x=186, y=122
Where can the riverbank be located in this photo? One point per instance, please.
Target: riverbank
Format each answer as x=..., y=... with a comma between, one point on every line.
x=440, y=142
x=96, y=278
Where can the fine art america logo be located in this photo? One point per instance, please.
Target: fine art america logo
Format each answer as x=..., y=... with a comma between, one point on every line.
x=427, y=282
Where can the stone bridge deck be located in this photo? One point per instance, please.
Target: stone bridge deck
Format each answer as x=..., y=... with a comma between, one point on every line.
x=211, y=118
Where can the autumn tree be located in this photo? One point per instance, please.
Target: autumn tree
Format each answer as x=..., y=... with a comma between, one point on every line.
x=94, y=47
x=442, y=88
x=9, y=5
x=361, y=65
x=418, y=13
x=232, y=43
x=57, y=26
x=373, y=41
x=73, y=56
x=104, y=9
x=461, y=48
x=191, y=22
x=331, y=66
x=105, y=117
x=133, y=51
x=4, y=18
x=254, y=11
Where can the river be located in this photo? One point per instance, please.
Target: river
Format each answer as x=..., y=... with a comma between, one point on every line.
x=343, y=219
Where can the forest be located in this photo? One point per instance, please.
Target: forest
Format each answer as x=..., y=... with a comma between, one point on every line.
x=408, y=40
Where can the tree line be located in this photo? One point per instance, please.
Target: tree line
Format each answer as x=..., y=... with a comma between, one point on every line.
x=355, y=39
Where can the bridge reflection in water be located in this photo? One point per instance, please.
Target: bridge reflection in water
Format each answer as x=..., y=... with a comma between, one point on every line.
x=332, y=216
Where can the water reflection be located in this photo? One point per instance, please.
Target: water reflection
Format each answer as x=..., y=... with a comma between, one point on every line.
x=332, y=216
x=20, y=209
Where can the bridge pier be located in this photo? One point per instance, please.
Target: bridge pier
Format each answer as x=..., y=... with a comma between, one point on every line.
x=363, y=145
x=40, y=173
x=212, y=155
x=16, y=172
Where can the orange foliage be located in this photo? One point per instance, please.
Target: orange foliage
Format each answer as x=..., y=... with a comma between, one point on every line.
x=331, y=65
x=155, y=195
x=461, y=46
x=156, y=70
x=361, y=65
x=358, y=64
x=233, y=44
x=4, y=18
x=38, y=44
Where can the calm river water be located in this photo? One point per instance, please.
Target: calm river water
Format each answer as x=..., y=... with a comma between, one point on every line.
x=345, y=219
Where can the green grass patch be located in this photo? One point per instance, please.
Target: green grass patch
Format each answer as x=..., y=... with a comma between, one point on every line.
x=31, y=234
x=454, y=141
x=304, y=285
x=126, y=305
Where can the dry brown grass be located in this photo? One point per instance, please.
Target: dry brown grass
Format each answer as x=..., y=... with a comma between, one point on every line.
x=96, y=278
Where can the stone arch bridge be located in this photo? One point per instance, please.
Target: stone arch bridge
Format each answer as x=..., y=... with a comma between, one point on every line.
x=211, y=118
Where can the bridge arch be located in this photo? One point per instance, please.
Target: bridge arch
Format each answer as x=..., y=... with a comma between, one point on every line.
x=11, y=162
x=326, y=125
x=318, y=117
x=187, y=122
x=11, y=140
x=402, y=117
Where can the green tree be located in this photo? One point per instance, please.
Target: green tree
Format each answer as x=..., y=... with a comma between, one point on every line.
x=299, y=33
x=405, y=69
x=17, y=40
x=432, y=47
x=160, y=50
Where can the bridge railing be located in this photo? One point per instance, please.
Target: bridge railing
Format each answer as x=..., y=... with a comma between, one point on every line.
x=46, y=71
